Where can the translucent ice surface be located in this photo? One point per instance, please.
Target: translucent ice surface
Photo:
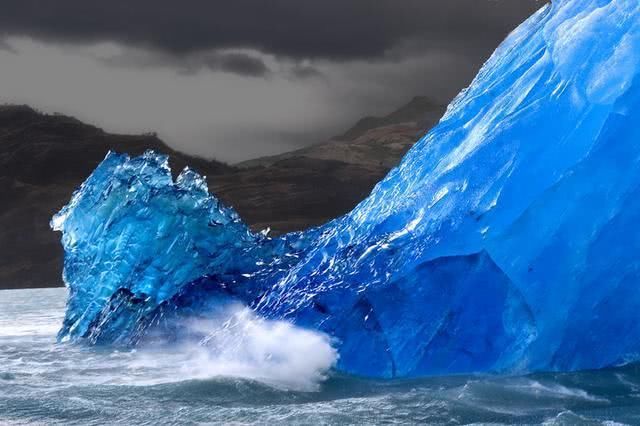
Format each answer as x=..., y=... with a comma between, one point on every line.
x=507, y=240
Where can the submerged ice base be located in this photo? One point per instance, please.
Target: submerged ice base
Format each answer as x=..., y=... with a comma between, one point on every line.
x=506, y=241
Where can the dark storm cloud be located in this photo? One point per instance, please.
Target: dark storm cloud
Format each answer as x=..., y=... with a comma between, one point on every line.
x=242, y=64
x=238, y=63
x=239, y=79
x=316, y=29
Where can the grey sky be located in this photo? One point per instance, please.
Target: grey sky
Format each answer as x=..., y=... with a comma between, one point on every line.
x=236, y=80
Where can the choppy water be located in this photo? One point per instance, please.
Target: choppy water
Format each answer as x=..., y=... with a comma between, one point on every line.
x=42, y=382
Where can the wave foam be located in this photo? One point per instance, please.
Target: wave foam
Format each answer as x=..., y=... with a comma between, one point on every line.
x=240, y=344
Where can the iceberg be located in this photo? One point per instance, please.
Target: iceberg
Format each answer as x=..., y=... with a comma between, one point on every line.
x=506, y=241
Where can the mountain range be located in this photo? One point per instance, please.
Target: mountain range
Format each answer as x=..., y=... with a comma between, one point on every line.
x=45, y=157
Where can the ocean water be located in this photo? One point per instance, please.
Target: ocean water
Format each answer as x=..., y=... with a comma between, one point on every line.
x=266, y=373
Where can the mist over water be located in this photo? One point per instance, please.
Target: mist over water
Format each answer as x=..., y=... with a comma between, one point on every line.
x=239, y=344
x=247, y=370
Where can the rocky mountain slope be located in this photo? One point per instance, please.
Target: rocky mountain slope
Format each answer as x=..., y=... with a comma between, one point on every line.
x=372, y=141
x=43, y=158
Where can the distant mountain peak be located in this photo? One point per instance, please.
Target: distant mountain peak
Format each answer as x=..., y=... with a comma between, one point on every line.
x=421, y=110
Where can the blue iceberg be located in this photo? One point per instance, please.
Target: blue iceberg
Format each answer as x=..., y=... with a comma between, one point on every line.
x=507, y=240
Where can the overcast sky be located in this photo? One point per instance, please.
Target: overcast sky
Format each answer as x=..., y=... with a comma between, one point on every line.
x=238, y=79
